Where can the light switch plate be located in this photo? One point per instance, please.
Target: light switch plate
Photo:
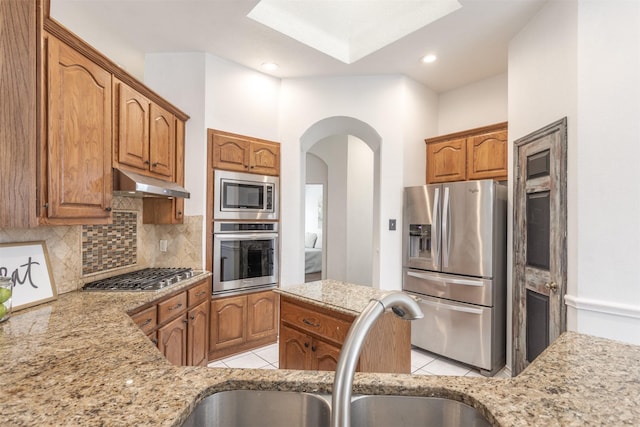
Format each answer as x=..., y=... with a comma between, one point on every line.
x=392, y=224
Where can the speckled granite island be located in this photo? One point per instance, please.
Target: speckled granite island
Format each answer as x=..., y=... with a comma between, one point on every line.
x=81, y=361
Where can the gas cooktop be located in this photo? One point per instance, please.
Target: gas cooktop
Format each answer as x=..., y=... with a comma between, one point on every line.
x=148, y=279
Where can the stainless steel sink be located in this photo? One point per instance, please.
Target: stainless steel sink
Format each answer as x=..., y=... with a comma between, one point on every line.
x=260, y=408
x=401, y=411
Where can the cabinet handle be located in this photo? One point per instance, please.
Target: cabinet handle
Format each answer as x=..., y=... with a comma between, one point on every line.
x=108, y=209
x=310, y=323
x=199, y=294
x=178, y=305
x=146, y=322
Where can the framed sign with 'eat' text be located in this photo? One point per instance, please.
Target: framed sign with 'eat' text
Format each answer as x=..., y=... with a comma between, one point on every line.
x=27, y=263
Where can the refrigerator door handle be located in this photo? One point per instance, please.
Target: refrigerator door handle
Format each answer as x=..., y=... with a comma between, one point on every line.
x=444, y=282
x=436, y=228
x=446, y=231
x=441, y=305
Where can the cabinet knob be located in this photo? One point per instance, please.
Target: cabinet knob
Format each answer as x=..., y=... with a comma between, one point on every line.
x=306, y=345
x=155, y=341
x=108, y=209
x=146, y=162
x=154, y=165
x=313, y=348
x=186, y=321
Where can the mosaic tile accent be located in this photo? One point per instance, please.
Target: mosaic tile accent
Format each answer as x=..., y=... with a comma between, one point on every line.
x=105, y=247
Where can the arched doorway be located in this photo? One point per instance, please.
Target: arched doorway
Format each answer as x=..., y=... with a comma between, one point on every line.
x=349, y=249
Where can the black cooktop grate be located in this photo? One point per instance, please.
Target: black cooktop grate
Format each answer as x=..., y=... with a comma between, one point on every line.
x=148, y=279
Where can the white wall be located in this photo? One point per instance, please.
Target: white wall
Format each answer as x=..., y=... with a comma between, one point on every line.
x=241, y=100
x=180, y=77
x=109, y=43
x=333, y=151
x=475, y=105
x=379, y=101
x=542, y=89
x=582, y=60
x=359, y=221
x=605, y=298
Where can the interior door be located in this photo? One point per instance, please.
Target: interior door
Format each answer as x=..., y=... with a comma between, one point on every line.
x=539, y=236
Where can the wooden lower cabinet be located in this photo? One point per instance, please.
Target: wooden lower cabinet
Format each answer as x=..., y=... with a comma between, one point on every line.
x=311, y=337
x=240, y=323
x=179, y=325
x=172, y=341
x=302, y=351
x=197, y=335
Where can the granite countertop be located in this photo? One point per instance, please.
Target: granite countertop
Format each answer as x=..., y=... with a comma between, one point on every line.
x=81, y=360
x=340, y=296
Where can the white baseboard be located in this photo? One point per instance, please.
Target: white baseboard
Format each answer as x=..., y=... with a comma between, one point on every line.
x=604, y=307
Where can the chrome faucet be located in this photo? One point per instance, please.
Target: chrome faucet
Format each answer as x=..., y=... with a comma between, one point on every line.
x=404, y=307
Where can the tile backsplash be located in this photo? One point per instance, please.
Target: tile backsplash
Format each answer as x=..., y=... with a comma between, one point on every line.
x=76, y=258
x=105, y=247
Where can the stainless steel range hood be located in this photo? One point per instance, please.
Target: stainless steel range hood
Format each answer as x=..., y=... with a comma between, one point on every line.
x=131, y=184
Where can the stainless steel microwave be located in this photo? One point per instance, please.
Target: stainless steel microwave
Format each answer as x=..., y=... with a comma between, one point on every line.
x=239, y=195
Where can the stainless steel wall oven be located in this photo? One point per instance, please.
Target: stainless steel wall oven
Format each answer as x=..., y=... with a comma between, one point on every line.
x=245, y=256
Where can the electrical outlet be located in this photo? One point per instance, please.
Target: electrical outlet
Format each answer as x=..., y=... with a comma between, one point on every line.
x=163, y=246
x=392, y=224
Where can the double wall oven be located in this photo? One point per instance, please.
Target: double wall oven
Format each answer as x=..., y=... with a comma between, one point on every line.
x=245, y=232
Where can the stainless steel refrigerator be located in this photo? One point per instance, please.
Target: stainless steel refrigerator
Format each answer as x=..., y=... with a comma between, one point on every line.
x=454, y=262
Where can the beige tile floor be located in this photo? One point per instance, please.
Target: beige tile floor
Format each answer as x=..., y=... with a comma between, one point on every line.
x=422, y=363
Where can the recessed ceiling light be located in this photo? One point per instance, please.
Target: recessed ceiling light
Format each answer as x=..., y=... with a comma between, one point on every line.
x=269, y=66
x=427, y=59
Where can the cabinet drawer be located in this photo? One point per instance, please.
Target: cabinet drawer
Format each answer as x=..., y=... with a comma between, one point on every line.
x=320, y=324
x=172, y=307
x=146, y=319
x=198, y=293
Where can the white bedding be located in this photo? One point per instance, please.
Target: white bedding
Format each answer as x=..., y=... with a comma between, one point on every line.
x=312, y=260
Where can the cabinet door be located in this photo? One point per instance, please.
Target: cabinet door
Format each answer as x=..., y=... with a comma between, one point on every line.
x=262, y=315
x=487, y=156
x=78, y=136
x=198, y=334
x=178, y=202
x=264, y=158
x=230, y=153
x=228, y=316
x=446, y=161
x=294, y=349
x=324, y=356
x=132, y=146
x=172, y=341
x=162, y=142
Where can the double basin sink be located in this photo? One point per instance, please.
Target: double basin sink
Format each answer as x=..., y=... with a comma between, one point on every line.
x=282, y=408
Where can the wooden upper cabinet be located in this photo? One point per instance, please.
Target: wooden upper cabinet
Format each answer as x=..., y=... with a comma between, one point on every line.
x=244, y=154
x=472, y=154
x=162, y=142
x=446, y=161
x=78, y=135
x=133, y=127
x=487, y=156
x=146, y=135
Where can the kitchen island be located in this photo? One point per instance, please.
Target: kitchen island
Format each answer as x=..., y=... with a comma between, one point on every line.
x=315, y=318
x=80, y=360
